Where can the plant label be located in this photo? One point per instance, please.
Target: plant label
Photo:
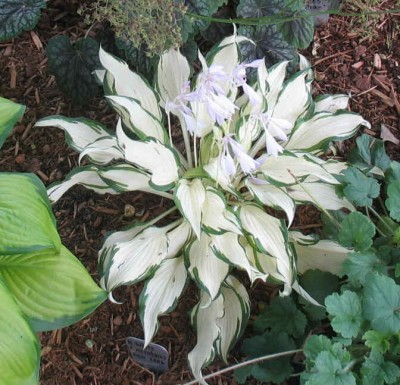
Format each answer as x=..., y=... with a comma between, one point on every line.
x=154, y=357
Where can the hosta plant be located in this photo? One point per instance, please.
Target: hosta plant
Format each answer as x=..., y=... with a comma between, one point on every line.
x=220, y=150
x=42, y=285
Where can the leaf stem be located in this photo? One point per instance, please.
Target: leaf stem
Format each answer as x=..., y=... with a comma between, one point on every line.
x=245, y=363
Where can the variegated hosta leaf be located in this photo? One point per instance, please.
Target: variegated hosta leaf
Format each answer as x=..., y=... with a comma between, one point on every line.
x=324, y=255
x=270, y=235
x=102, y=151
x=161, y=293
x=207, y=270
x=272, y=196
x=227, y=247
x=128, y=262
x=275, y=79
x=169, y=87
x=189, y=198
x=120, y=80
x=316, y=132
x=236, y=315
x=288, y=170
x=79, y=132
x=214, y=170
x=293, y=100
x=216, y=218
x=151, y=156
x=107, y=180
x=204, y=318
x=322, y=195
x=177, y=238
x=331, y=103
x=137, y=119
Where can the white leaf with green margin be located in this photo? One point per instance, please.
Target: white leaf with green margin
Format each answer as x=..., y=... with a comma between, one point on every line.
x=321, y=195
x=331, y=103
x=170, y=86
x=177, y=238
x=324, y=255
x=293, y=100
x=316, y=132
x=204, y=317
x=161, y=293
x=275, y=79
x=215, y=171
x=190, y=197
x=152, y=156
x=79, y=132
x=270, y=236
x=207, y=270
x=124, y=82
x=272, y=196
x=26, y=220
x=10, y=113
x=19, y=347
x=227, y=247
x=52, y=289
x=133, y=260
x=137, y=119
x=102, y=151
x=290, y=170
x=216, y=218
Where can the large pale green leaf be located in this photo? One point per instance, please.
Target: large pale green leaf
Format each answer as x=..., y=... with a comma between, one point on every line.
x=19, y=346
x=152, y=156
x=79, y=132
x=317, y=132
x=137, y=119
x=161, y=294
x=120, y=80
x=10, y=112
x=52, y=289
x=26, y=220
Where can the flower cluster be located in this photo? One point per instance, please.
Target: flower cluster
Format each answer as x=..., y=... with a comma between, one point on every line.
x=246, y=146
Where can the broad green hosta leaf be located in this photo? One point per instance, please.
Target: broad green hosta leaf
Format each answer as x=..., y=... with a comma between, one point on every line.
x=130, y=261
x=272, y=196
x=161, y=293
x=293, y=99
x=137, y=119
x=236, y=315
x=52, y=289
x=10, y=112
x=17, y=16
x=204, y=317
x=151, y=156
x=331, y=103
x=270, y=235
x=169, y=87
x=26, y=220
x=316, y=132
x=190, y=197
x=19, y=347
x=324, y=255
x=207, y=270
x=289, y=170
x=120, y=80
x=79, y=132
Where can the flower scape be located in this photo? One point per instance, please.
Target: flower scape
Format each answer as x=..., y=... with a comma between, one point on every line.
x=241, y=148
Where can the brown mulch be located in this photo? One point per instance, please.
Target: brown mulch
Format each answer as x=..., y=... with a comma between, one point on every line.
x=93, y=352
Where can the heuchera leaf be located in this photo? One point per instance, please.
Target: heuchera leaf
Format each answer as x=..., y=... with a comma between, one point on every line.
x=203, y=8
x=377, y=341
x=357, y=231
x=393, y=201
x=376, y=370
x=73, y=64
x=17, y=16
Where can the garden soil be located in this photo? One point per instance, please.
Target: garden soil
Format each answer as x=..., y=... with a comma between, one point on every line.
x=362, y=59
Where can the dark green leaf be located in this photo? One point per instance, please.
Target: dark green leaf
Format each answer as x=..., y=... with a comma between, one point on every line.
x=393, y=172
x=378, y=371
x=392, y=203
x=357, y=231
x=381, y=303
x=17, y=16
x=315, y=345
x=359, y=189
x=377, y=341
x=72, y=65
x=282, y=308
x=203, y=8
x=330, y=230
x=358, y=265
x=259, y=8
x=346, y=313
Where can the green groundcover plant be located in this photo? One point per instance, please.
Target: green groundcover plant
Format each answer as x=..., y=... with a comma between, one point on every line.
x=219, y=150
x=42, y=285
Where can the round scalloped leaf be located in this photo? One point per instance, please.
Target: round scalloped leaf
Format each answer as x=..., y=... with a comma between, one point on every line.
x=17, y=16
x=73, y=65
